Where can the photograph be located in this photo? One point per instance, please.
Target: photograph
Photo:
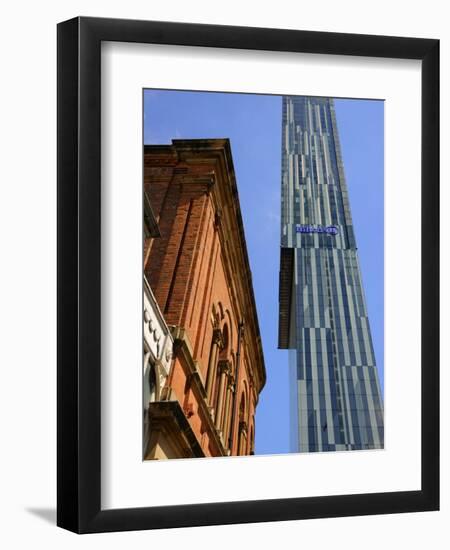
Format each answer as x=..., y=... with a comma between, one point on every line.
x=248, y=275
x=263, y=274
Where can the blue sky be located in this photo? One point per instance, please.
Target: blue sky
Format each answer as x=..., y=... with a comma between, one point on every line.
x=253, y=125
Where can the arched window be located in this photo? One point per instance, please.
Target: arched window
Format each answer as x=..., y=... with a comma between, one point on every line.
x=219, y=382
x=150, y=394
x=242, y=408
x=224, y=352
x=242, y=441
x=229, y=402
x=252, y=439
x=150, y=381
x=212, y=364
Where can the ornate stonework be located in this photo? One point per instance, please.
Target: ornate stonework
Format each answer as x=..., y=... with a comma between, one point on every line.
x=199, y=273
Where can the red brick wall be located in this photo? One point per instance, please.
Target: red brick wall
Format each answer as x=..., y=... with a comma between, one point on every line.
x=185, y=269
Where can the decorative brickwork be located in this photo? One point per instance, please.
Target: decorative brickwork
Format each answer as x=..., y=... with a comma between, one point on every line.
x=199, y=272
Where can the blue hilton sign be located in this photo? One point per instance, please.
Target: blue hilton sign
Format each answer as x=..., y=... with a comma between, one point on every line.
x=329, y=229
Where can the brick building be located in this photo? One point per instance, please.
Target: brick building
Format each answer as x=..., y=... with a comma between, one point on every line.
x=196, y=267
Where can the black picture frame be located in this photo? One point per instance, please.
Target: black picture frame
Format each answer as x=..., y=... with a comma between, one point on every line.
x=79, y=280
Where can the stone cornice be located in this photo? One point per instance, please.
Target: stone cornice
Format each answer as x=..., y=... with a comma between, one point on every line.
x=170, y=416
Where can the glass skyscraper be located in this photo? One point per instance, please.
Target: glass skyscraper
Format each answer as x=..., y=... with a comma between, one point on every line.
x=336, y=401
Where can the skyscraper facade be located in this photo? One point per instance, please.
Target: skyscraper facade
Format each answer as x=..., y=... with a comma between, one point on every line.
x=336, y=402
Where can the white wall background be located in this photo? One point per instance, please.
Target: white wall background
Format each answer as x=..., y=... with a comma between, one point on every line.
x=28, y=274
